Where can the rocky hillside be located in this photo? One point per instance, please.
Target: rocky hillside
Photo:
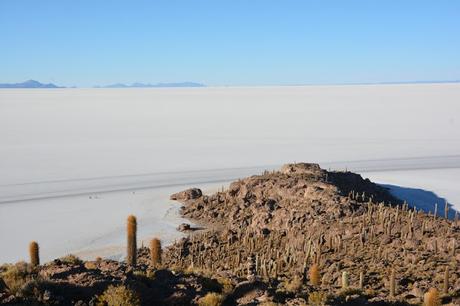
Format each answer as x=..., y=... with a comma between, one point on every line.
x=298, y=236
x=285, y=222
x=294, y=196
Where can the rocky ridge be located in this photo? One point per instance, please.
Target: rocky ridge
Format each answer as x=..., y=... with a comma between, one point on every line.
x=288, y=220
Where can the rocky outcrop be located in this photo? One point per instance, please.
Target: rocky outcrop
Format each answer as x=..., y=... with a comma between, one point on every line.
x=297, y=193
x=300, y=168
x=289, y=219
x=186, y=195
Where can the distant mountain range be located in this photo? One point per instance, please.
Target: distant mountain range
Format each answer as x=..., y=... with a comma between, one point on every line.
x=36, y=84
x=29, y=84
x=143, y=85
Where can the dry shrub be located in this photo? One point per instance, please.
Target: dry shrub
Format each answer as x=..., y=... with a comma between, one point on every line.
x=431, y=298
x=90, y=265
x=317, y=299
x=226, y=283
x=196, y=271
x=118, y=296
x=71, y=260
x=211, y=299
x=293, y=285
x=17, y=275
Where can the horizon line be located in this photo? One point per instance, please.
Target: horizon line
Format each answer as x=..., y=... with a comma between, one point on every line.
x=158, y=85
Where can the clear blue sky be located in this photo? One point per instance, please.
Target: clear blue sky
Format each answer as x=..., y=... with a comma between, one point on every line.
x=234, y=42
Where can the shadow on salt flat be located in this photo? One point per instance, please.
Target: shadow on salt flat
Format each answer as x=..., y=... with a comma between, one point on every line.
x=422, y=199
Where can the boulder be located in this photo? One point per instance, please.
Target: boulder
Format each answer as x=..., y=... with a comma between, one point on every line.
x=189, y=194
x=300, y=168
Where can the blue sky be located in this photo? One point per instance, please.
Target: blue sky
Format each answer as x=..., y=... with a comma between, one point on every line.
x=234, y=42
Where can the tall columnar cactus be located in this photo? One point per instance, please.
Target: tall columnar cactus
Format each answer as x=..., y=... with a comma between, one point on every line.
x=34, y=254
x=446, y=211
x=361, y=280
x=445, y=288
x=392, y=284
x=155, y=252
x=345, y=281
x=132, y=244
x=313, y=275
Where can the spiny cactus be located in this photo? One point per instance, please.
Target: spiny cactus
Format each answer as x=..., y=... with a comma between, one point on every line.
x=446, y=211
x=34, y=254
x=445, y=288
x=313, y=275
x=361, y=280
x=392, y=284
x=431, y=298
x=131, y=228
x=345, y=281
x=155, y=252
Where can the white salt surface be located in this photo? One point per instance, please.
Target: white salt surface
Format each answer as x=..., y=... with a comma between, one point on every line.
x=89, y=225
x=423, y=188
x=60, y=147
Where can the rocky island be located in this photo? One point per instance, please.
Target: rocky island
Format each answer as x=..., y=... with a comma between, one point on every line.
x=298, y=236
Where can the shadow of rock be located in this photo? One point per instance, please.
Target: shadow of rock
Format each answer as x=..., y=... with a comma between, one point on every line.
x=422, y=199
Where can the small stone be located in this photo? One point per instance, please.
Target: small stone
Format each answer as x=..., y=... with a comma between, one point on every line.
x=184, y=227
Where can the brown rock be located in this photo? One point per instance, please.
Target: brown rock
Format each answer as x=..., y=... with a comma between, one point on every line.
x=189, y=194
x=184, y=227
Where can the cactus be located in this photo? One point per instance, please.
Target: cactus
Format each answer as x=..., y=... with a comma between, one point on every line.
x=445, y=288
x=132, y=244
x=446, y=211
x=431, y=298
x=313, y=275
x=155, y=252
x=392, y=284
x=251, y=265
x=345, y=281
x=361, y=280
x=34, y=254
